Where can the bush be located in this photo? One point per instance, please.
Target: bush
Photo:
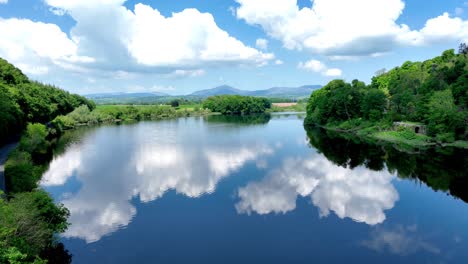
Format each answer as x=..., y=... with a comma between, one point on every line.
x=446, y=137
x=28, y=223
x=20, y=173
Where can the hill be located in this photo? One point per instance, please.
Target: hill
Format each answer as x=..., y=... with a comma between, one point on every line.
x=24, y=101
x=418, y=103
x=277, y=92
x=293, y=93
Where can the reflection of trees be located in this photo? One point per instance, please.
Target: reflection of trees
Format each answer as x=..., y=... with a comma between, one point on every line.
x=441, y=169
x=258, y=119
x=346, y=152
x=57, y=255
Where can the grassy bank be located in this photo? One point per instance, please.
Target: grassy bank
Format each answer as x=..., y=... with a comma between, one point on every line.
x=122, y=113
x=385, y=131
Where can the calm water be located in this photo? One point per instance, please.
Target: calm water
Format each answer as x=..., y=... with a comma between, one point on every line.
x=255, y=190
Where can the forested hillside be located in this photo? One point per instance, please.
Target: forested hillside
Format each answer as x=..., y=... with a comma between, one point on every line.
x=433, y=93
x=23, y=101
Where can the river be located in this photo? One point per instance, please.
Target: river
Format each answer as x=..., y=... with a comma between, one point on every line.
x=255, y=190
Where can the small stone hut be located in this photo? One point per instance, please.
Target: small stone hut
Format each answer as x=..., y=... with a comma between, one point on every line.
x=418, y=128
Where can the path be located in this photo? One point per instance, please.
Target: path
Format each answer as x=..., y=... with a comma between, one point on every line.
x=4, y=151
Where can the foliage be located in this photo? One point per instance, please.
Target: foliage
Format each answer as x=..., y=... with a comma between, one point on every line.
x=24, y=166
x=28, y=222
x=23, y=101
x=113, y=113
x=236, y=104
x=337, y=101
x=174, y=103
x=433, y=92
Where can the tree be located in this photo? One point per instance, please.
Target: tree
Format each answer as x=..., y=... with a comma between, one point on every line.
x=373, y=104
x=442, y=116
x=236, y=104
x=175, y=103
x=463, y=49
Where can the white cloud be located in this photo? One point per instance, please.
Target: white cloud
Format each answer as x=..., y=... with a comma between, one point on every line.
x=139, y=40
x=3, y=1
x=147, y=38
x=319, y=67
x=334, y=72
x=186, y=73
x=37, y=47
x=312, y=65
x=261, y=43
x=356, y=28
x=359, y=194
x=279, y=62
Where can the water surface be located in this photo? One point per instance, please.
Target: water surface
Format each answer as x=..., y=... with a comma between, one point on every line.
x=255, y=190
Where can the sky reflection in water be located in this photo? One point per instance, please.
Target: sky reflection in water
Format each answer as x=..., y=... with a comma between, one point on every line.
x=112, y=171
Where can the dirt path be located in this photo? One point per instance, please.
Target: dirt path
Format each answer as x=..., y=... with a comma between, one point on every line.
x=4, y=151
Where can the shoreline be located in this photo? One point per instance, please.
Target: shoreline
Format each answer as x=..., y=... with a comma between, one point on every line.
x=388, y=136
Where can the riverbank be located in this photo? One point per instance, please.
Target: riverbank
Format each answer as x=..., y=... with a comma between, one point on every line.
x=82, y=116
x=384, y=131
x=4, y=152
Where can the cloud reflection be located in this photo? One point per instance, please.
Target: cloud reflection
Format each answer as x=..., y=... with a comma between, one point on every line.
x=109, y=179
x=400, y=241
x=360, y=194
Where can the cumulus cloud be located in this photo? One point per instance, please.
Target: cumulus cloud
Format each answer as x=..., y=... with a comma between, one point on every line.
x=148, y=38
x=3, y=1
x=138, y=40
x=345, y=28
x=36, y=47
x=359, y=194
x=319, y=67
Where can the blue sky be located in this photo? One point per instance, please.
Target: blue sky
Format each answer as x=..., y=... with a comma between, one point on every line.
x=179, y=46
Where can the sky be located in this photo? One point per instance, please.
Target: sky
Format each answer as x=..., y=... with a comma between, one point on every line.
x=181, y=46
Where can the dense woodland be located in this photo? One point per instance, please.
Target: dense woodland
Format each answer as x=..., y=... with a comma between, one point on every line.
x=236, y=104
x=433, y=92
x=29, y=218
x=24, y=101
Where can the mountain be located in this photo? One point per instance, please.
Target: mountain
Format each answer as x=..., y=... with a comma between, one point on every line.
x=223, y=89
x=161, y=98
x=302, y=91
x=279, y=92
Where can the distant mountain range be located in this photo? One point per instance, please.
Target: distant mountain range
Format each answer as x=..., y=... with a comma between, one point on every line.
x=150, y=97
x=288, y=92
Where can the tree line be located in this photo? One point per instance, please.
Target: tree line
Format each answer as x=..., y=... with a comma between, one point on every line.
x=236, y=104
x=433, y=92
